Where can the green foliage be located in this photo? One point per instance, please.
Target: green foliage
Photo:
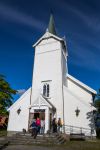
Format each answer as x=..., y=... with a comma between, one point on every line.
x=3, y=132
x=97, y=101
x=6, y=93
x=97, y=105
x=97, y=114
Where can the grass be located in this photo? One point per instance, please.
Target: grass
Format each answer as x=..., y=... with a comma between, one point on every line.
x=81, y=145
x=85, y=145
x=75, y=145
x=3, y=132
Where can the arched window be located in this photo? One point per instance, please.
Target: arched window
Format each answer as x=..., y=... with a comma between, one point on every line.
x=46, y=90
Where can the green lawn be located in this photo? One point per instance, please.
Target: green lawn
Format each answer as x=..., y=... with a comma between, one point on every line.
x=70, y=145
x=76, y=145
x=82, y=145
x=3, y=132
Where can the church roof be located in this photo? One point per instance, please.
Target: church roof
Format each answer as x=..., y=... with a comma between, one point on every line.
x=51, y=26
x=84, y=86
x=20, y=99
x=42, y=101
x=48, y=35
x=50, y=32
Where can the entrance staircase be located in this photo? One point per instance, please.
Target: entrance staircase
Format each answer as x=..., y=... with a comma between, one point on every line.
x=3, y=142
x=27, y=139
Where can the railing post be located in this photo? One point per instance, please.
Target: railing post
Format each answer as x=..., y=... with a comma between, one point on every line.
x=91, y=133
x=63, y=128
x=71, y=129
x=81, y=130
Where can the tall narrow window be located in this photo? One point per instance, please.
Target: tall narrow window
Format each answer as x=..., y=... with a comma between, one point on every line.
x=46, y=90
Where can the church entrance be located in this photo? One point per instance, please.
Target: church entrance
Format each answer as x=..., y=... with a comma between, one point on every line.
x=43, y=113
x=39, y=113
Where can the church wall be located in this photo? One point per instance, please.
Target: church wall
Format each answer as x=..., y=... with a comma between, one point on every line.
x=47, y=45
x=76, y=97
x=19, y=121
x=64, y=69
x=78, y=90
x=47, y=68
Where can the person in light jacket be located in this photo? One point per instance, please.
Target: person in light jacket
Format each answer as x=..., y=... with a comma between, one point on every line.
x=42, y=126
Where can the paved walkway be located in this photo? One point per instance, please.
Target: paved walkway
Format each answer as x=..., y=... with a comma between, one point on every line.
x=75, y=145
x=25, y=147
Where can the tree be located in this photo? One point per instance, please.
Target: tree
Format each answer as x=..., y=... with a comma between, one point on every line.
x=97, y=101
x=6, y=93
x=97, y=114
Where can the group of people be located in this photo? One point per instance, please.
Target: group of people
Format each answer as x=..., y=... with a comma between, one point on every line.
x=56, y=125
x=37, y=126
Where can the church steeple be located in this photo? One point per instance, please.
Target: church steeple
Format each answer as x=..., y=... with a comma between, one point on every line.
x=51, y=26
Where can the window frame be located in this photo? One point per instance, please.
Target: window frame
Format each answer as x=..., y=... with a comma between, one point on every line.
x=46, y=90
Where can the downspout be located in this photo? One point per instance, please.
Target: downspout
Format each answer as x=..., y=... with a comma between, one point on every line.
x=62, y=91
x=63, y=108
x=29, y=109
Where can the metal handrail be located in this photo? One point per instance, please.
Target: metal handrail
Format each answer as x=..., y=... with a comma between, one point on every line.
x=69, y=129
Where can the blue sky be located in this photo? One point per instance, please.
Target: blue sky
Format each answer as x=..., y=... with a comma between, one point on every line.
x=23, y=22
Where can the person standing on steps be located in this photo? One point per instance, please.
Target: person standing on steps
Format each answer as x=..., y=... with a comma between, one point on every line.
x=54, y=125
x=42, y=126
x=38, y=124
x=59, y=125
x=34, y=129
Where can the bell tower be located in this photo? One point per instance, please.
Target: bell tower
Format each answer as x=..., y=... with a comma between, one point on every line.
x=49, y=73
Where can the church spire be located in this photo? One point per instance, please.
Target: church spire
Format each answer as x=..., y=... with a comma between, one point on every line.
x=51, y=26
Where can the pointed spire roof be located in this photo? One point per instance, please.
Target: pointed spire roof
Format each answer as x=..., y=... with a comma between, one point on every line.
x=51, y=26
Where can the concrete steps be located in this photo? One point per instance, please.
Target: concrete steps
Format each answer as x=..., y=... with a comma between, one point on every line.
x=27, y=139
x=3, y=142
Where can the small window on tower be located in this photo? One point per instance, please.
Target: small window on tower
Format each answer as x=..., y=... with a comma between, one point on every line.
x=46, y=90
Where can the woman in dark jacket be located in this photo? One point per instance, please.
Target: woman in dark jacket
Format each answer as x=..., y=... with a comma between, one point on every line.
x=54, y=125
x=34, y=129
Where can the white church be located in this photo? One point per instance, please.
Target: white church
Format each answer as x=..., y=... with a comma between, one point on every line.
x=54, y=93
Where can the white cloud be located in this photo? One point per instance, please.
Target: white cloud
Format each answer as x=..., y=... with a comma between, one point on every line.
x=86, y=58
x=91, y=21
x=21, y=91
x=19, y=17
